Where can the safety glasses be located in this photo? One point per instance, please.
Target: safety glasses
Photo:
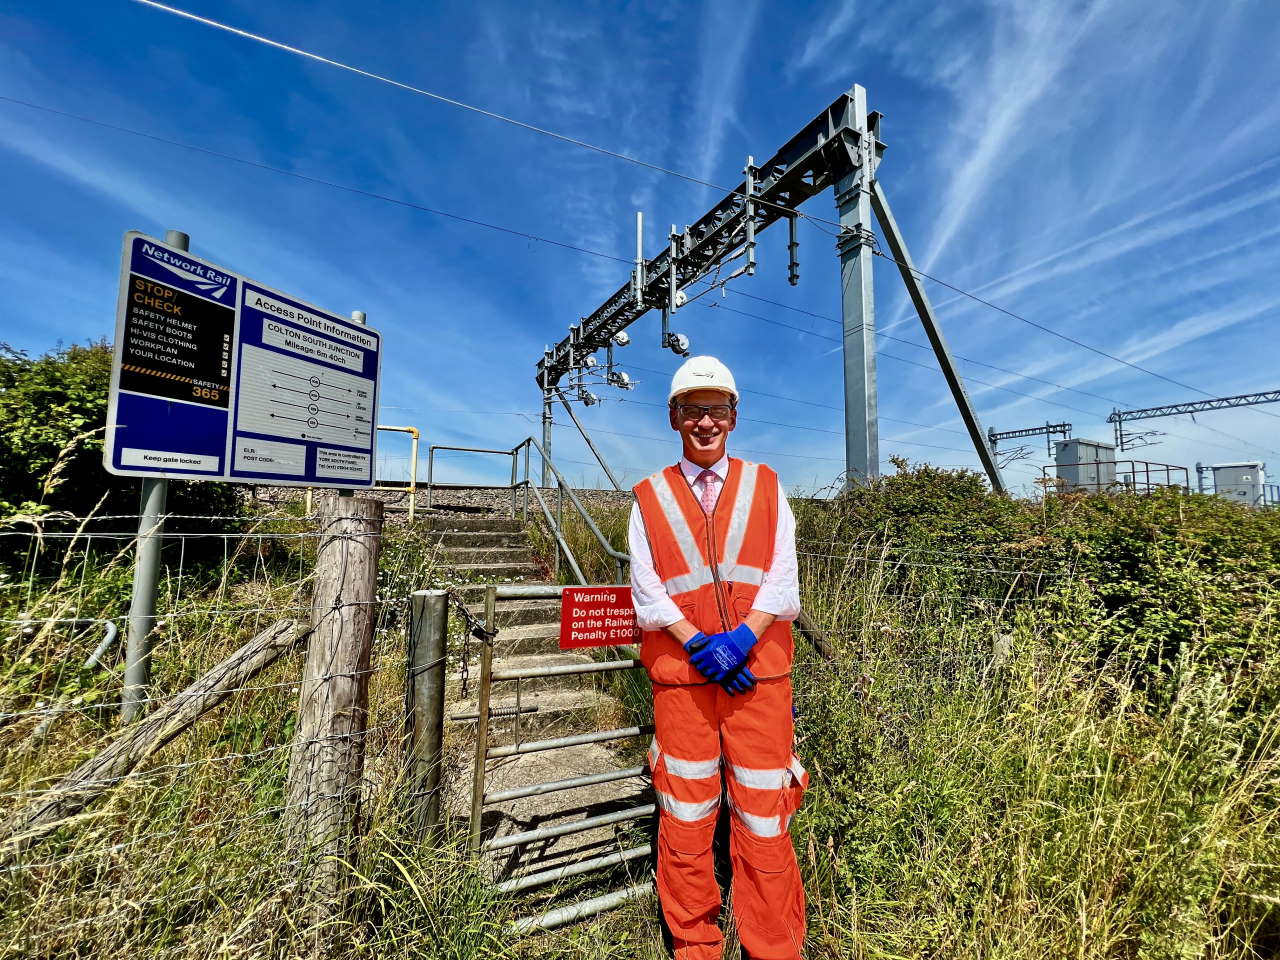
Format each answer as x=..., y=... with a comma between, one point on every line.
x=696, y=411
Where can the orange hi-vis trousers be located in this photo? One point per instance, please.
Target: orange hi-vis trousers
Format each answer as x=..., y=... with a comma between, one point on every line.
x=700, y=730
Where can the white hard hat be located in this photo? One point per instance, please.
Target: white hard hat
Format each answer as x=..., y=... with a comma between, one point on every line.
x=702, y=373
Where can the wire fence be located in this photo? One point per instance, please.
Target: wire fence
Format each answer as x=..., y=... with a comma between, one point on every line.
x=900, y=620
x=204, y=820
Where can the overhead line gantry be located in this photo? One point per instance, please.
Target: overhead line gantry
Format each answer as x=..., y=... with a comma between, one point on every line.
x=1048, y=431
x=1121, y=417
x=841, y=149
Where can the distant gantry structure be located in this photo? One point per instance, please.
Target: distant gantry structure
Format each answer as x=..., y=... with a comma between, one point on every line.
x=1048, y=431
x=1119, y=418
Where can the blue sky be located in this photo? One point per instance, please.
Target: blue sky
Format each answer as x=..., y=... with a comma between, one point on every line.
x=1107, y=170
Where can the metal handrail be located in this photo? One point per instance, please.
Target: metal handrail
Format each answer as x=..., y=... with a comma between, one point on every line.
x=414, y=436
x=561, y=543
x=528, y=444
x=431, y=462
x=618, y=556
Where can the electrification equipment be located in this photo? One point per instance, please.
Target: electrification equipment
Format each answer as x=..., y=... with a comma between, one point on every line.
x=1125, y=440
x=1244, y=483
x=838, y=149
x=1088, y=465
x=1049, y=431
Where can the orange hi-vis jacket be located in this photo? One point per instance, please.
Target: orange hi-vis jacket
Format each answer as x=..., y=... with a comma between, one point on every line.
x=712, y=566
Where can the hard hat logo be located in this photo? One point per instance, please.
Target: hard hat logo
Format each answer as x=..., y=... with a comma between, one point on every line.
x=702, y=373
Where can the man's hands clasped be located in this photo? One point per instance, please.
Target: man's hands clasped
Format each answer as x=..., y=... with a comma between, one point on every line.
x=722, y=657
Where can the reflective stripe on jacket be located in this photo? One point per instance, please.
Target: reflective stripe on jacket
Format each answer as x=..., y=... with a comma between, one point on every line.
x=712, y=566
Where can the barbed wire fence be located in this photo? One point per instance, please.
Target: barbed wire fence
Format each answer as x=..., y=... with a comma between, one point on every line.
x=272, y=734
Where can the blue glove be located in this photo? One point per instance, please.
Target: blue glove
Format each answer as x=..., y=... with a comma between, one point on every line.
x=695, y=642
x=721, y=655
x=739, y=682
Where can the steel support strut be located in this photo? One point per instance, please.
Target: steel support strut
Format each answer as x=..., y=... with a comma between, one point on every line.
x=898, y=249
x=857, y=297
x=585, y=436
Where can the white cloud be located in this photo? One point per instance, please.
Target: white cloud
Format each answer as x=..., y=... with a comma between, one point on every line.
x=824, y=37
x=727, y=31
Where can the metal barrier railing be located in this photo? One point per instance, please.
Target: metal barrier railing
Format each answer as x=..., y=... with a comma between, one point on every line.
x=485, y=752
x=414, y=437
x=564, y=489
x=431, y=471
x=555, y=520
x=1118, y=476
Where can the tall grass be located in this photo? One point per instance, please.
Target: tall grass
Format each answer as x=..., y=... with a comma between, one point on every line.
x=1050, y=729
x=1105, y=787
x=186, y=858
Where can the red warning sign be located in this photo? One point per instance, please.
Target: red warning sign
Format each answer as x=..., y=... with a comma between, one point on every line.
x=597, y=617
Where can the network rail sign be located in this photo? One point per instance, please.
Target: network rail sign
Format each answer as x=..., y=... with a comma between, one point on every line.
x=216, y=377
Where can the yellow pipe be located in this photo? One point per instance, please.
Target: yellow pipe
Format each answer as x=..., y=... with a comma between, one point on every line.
x=413, y=464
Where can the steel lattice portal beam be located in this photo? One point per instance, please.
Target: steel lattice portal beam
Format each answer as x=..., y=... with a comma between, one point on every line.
x=807, y=164
x=1195, y=406
x=1049, y=430
x=839, y=148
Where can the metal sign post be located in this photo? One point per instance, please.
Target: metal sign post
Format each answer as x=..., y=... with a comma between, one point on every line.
x=146, y=575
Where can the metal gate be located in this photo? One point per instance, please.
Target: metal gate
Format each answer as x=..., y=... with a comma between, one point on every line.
x=486, y=752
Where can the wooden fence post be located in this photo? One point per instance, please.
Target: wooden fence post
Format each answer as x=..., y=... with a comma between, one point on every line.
x=424, y=707
x=1001, y=648
x=326, y=764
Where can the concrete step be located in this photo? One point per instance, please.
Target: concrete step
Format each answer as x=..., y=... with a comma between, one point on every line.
x=449, y=539
x=539, y=661
x=496, y=523
x=529, y=638
x=459, y=556
x=516, y=613
x=498, y=572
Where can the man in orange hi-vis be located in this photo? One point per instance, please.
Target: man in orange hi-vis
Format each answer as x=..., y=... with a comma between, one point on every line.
x=713, y=576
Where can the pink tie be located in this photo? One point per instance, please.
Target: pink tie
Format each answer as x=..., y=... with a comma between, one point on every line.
x=708, y=478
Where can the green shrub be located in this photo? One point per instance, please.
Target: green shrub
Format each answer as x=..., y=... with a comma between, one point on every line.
x=53, y=412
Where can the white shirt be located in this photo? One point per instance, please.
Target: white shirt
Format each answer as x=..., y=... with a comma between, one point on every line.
x=779, y=592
